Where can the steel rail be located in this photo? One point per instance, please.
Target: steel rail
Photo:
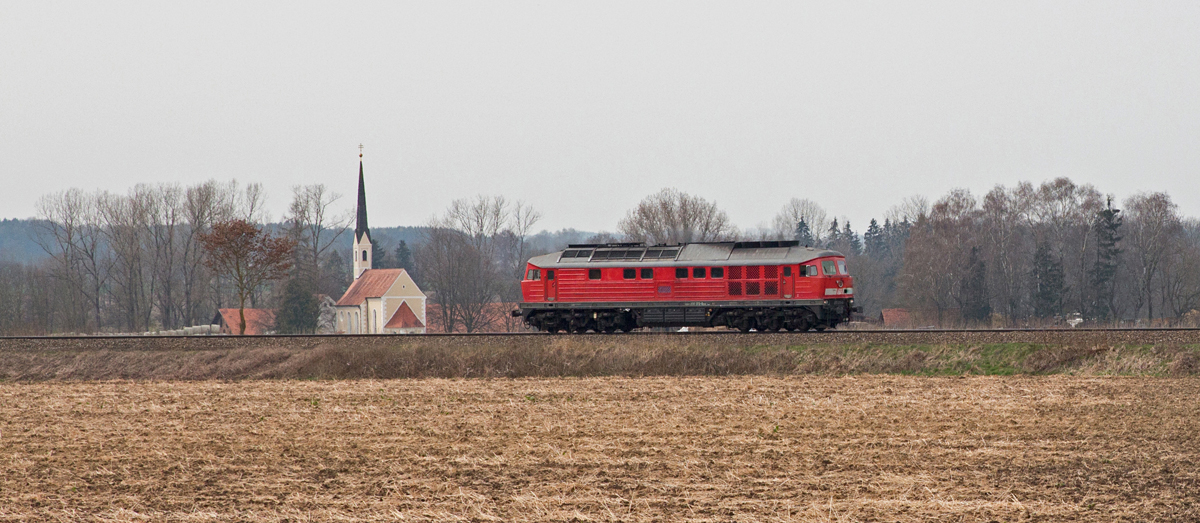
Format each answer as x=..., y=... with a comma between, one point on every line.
x=636, y=333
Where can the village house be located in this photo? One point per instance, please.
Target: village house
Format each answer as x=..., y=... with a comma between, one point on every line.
x=380, y=301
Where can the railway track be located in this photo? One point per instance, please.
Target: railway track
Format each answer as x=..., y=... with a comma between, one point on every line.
x=812, y=334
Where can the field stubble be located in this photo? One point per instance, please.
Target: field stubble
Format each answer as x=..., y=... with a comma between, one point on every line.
x=813, y=448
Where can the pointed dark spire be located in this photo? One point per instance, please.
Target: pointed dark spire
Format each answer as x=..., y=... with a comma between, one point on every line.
x=361, y=227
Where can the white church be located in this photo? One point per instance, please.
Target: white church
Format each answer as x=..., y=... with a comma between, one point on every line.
x=380, y=301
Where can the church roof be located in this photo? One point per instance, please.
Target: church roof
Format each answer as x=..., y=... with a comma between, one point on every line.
x=371, y=284
x=404, y=318
x=361, y=225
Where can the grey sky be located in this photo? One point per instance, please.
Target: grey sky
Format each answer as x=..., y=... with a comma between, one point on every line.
x=582, y=109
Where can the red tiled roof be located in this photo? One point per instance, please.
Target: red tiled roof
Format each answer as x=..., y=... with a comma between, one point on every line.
x=896, y=318
x=258, y=321
x=404, y=318
x=371, y=284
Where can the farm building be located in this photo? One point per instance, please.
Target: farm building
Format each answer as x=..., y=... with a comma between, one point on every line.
x=258, y=321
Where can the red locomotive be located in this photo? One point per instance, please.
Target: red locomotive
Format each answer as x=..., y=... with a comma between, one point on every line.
x=762, y=285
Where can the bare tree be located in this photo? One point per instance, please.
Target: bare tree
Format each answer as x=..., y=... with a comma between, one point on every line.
x=472, y=256
x=936, y=253
x=1007, y=247
x=909, y=209
x=315, y=225
x=1152, y=230
x=673, y=217
x=797, y=210
x=73, y=237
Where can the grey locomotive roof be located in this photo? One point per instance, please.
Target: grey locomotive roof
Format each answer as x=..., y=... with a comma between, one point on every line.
x=708, y=254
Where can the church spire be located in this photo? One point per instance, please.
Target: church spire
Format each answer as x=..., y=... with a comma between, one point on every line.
x=361, y=226
x=362, y=234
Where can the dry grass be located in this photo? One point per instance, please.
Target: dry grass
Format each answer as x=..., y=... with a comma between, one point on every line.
x=234, y=358
x=863, y=448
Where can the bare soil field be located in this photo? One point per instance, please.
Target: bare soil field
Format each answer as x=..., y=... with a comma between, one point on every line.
x=797, y=448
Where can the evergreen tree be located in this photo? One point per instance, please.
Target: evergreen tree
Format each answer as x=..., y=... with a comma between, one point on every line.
x=804, y=234
x=402, y=257
x=335, y=274
x=833, y=234
x=874, y=241
x=380, y=258
x=850, y=239
x=1049, y=283
x=1103, y=274
x=976, y=302
x=298, y=309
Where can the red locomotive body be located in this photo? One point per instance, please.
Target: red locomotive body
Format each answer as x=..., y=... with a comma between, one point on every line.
x=765, y=285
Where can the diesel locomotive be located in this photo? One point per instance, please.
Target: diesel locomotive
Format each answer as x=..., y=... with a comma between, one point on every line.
x=745, y=285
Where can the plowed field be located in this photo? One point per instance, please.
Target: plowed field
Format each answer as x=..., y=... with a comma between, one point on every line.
x=862, y=448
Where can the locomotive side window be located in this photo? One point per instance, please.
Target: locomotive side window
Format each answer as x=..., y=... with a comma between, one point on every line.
x=681, y=273
x=698, y=272
x=593, y=274
x=787, y=271
x=534, y=274
x=630, y=274
x=647, y=274
x=842, y=267
x=827, y=267
x=812, y=270
x=718, y=272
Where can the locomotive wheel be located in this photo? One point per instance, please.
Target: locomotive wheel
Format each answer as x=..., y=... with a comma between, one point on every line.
x=773, y=324
x=745, y=324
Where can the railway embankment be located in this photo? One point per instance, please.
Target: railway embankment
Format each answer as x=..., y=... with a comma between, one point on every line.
x=1080, y=352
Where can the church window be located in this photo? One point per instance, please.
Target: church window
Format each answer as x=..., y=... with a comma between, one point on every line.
x=364, y=255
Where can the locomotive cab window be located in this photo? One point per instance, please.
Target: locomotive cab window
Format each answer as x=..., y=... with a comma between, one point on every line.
x=681, y=273
x=698, y=272
x=534, y=275
x=630, y=274
x=718, y=272
x=842, y=267
x=593, y=274
x=827, y=267
x=647, y=274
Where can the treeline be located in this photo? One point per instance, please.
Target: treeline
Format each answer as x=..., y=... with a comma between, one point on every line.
x=1023, y=255
x=134, y=262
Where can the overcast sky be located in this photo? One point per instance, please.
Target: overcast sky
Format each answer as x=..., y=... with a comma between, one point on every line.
x=582, y=109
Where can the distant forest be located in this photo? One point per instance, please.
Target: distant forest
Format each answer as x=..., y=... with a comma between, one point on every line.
x=1054, y=253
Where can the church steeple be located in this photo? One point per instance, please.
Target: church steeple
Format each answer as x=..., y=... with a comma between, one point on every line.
x=362, y=234
x=361, y=226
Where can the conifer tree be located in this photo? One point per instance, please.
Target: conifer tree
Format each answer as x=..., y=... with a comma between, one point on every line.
x=833, y=235
x=1049, y=283
x=804, y=234
x=874, y=241
x=850, y=239
x=976, y=302
x=379, y=257
x=298, y=309
x=1102, y=278
x=402, y=257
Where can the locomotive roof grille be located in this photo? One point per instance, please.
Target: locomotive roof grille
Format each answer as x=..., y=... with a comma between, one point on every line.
x=714, y=254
